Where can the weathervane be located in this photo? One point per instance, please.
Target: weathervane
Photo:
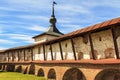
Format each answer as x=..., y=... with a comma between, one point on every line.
x=53, y=8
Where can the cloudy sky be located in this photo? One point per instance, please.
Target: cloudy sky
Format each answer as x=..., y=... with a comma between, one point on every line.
x=20, y=20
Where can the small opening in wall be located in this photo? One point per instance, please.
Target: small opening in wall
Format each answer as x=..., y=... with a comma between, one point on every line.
x=100, y=39
x=66, y=45
x=85, y=39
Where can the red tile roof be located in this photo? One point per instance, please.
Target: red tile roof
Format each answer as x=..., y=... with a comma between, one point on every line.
x=90, y=28
x=105, y=24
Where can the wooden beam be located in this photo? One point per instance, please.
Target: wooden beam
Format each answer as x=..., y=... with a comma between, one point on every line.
x=18, y=55
x=61, y=50
x=51, y=51
x=44, y=52
x=73, y=48
x=24, y=55
x=8, y=55
x=92, y=47
x=32, y=54
x=115, y=42
x=12, y=55
x=39, y=50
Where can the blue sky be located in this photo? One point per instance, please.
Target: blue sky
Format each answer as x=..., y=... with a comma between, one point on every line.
x=20, y=20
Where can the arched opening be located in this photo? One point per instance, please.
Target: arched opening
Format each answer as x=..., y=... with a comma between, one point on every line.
x=108, y=74
x=25, y=71
x=40, y=72
x=32, y=69
x=10, y=68
x=73, y=74
x=51, y=74
x=19, y=69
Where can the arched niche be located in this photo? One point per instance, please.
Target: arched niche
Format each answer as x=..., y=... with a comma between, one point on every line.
x=19, y=69
x=32, y=69
x=51, y=74
x=73, y=74
x=40, y=72
x=108, y=74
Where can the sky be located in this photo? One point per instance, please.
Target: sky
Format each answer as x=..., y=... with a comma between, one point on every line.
x=20, y=20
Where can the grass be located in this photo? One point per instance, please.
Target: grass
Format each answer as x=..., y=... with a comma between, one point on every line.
x=18, y=76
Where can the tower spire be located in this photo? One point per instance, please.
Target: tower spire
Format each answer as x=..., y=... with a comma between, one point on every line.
x=53, y=8
x=53, y=19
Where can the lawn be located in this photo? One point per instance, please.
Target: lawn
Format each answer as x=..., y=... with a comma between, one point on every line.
x=18, y=76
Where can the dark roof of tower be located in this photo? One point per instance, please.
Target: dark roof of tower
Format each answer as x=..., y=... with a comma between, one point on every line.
x=52, y=29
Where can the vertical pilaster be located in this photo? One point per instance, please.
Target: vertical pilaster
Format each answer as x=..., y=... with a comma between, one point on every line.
x=115, y=42
x=18, y=55
x=73, y=48
x=32, y=54
x=92, y=47
x=51, y=51
x=39, y=50
x=61, y=50
x=8, y=56
x=24, y=55
x=12, y=55
x=44, y=52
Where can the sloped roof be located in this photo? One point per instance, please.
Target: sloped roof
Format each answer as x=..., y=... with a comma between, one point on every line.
x=49, y=33
x=105, y=24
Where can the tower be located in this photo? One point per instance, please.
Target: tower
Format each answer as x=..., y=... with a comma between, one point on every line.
x=52, y=32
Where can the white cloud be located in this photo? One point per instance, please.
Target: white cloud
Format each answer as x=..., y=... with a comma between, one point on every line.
x=26, y=5
x=94, y=3
x=3, y=48
x=15, y=37
x=34, y=17
x=69, y=27
x=3, y=41
x=73, y=9
x=37, y=28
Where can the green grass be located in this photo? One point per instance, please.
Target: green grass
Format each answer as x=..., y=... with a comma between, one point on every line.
x=18, y=76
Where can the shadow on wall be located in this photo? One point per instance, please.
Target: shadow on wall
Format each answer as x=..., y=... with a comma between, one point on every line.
x=32, y=69
x=10, y=68
x=108, y=74
x=73, y=74
x=40, y=73
x=19, y=69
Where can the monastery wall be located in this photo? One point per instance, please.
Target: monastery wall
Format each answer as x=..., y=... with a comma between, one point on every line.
x=67, y=50
x=56, y=51
x=103, y=44
x=117, y=31
x=82, y=47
